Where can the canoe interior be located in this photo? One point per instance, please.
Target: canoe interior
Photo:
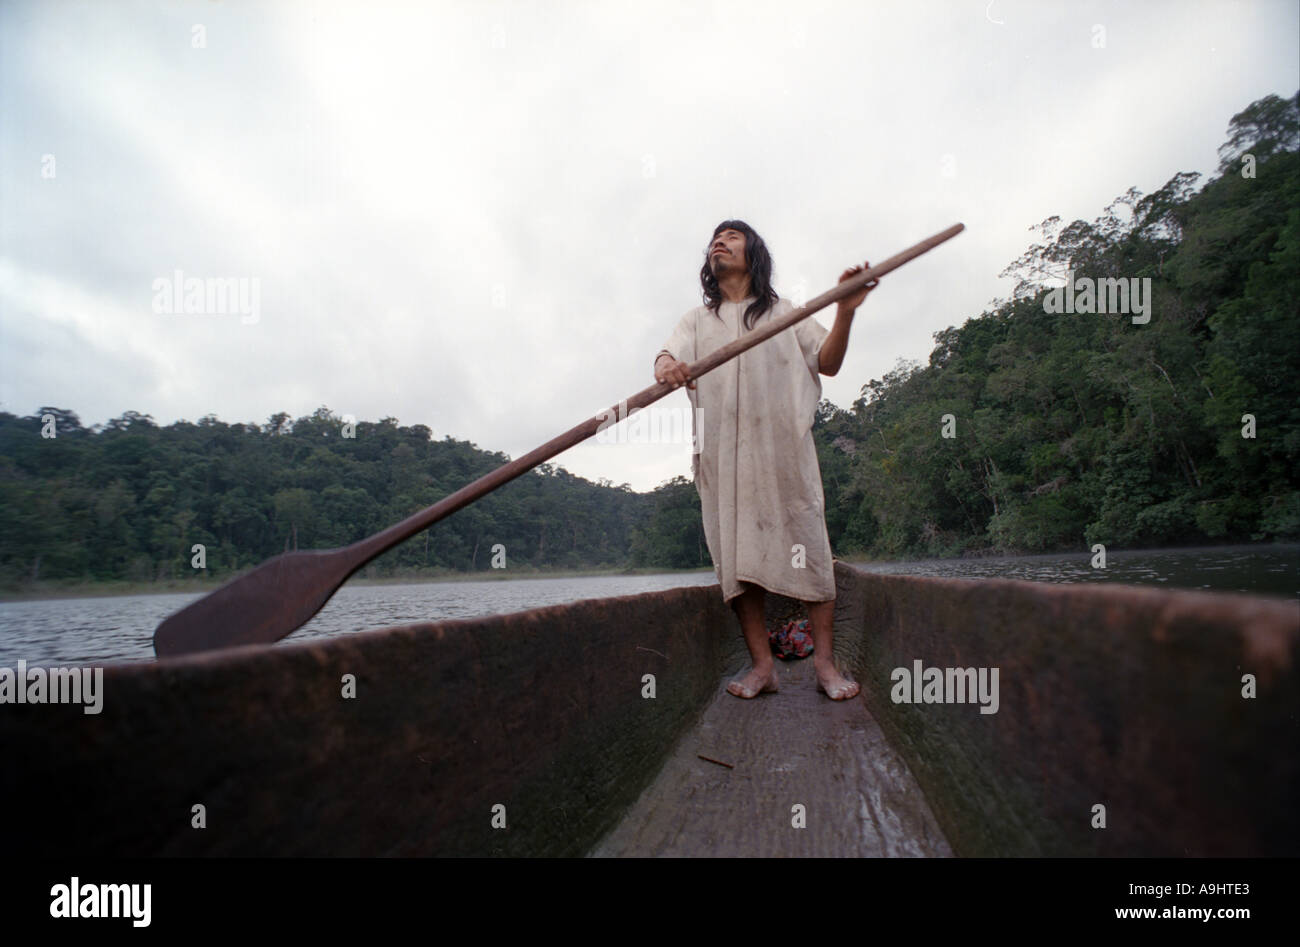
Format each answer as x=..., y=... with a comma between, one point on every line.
x=1121, y=697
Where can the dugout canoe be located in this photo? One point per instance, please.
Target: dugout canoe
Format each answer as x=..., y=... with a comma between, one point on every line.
x=1125, y=698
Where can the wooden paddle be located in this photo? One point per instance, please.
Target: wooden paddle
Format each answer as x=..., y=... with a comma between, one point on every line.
x=283, y=593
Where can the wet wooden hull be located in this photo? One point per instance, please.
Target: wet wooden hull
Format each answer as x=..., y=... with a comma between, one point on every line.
x=1117, y=697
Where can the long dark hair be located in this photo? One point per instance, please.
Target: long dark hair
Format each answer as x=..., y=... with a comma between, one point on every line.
x=759, y=262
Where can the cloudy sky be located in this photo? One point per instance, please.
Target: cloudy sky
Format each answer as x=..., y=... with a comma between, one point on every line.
x=487, y=217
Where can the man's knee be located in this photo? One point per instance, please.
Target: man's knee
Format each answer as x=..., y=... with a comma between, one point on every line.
x=750, y=596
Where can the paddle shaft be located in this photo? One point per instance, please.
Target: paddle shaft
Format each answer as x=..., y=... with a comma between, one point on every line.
x=367, y=549
x=283, y=593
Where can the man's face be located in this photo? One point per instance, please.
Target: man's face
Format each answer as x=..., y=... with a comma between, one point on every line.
x=727, y=252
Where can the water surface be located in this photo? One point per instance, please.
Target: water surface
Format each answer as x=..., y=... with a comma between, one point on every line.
x=74, y=631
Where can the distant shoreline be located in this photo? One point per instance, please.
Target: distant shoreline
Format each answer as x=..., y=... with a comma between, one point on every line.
x=105, y=589
x=111, y=589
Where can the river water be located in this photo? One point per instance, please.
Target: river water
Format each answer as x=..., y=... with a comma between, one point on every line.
x=79, y=631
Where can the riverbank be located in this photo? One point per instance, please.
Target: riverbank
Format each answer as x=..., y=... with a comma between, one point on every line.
x=200, y=586
x=1226, y=568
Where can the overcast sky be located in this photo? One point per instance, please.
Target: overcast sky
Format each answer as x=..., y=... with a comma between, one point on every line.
x=488, y=217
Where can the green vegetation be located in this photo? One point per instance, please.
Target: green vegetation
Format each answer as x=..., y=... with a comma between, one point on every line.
x=129, y=501
x=1069, y=429
x=1072, y=429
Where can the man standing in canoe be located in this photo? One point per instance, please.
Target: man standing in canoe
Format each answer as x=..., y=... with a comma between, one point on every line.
x=756, y=462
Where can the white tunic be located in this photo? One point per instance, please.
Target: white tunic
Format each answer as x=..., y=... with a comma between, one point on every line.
x=756, y=468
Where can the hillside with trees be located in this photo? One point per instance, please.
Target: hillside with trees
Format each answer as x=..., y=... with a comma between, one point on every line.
x=1072, y=429
x=130, y=500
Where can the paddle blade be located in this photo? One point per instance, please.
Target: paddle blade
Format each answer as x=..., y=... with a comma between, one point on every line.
x=277, y=597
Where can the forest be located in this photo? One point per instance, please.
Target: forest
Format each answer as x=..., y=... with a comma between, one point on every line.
x=1029, y=430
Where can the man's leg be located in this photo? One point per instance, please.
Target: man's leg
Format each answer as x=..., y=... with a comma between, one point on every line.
x=762, y=676
x=829, y=679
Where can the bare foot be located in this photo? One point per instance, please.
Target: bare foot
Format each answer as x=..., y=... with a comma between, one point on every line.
x=835, y=685
x=754, y=683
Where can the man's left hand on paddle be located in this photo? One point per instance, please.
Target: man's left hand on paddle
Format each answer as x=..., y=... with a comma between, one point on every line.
x=854, y=300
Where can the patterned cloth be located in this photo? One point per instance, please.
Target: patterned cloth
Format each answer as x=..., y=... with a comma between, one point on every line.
x=792, y=640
